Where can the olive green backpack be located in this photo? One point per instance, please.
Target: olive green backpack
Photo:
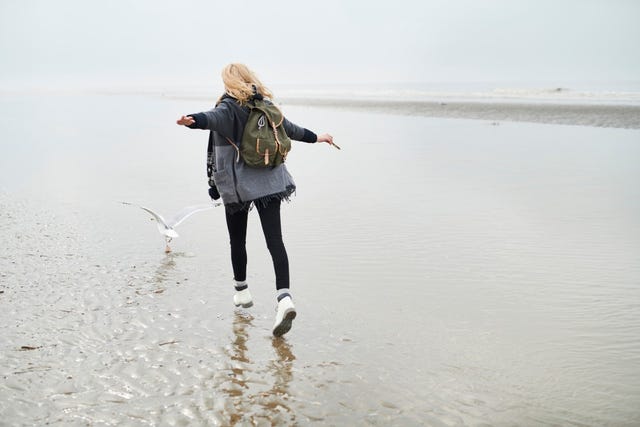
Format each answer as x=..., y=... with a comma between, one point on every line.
x=265, y=143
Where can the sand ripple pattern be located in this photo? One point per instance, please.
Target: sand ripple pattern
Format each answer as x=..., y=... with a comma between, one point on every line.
x=86, y=342
x=91, y=339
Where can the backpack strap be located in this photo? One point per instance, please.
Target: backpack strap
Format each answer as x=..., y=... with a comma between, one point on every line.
x=236, y=147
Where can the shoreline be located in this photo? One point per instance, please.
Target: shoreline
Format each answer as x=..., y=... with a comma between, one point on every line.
x=591, y=113
x=596, y=115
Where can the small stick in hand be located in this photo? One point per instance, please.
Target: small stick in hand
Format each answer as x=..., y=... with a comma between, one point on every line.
x=325, y=137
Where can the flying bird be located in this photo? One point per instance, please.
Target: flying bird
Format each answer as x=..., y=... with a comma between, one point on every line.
x=167, y=227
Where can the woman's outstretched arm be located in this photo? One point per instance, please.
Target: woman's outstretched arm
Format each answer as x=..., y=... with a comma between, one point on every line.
x=220, y=118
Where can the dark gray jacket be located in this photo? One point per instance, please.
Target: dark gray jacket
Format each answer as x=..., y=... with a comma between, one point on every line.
x=238, y=183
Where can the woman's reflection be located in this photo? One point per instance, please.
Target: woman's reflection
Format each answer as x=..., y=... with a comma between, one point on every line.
x=282, y=366
x=235, y=389
x=270, y=405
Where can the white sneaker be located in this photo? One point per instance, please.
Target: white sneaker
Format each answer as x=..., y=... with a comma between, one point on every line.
x=243, y=298
x=286, y=312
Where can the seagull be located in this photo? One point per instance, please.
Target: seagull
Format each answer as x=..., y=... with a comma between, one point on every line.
x=167, y=228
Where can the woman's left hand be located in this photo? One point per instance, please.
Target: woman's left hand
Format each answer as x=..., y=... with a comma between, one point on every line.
x=325, y=137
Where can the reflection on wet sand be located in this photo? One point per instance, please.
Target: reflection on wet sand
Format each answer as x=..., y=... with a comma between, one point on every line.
x=167, y=271
x=275, y=401
x=167, y=265
x=246, y=400
x=281, y=367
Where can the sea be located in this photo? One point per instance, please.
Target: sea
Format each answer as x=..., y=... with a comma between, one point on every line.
x=469, y=257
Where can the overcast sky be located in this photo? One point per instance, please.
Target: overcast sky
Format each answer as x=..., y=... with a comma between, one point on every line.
x=328, y=41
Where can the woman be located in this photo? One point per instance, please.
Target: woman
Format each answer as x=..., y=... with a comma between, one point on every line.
x=241, y=186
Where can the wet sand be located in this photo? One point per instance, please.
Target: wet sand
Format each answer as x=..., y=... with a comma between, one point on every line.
x=611, y=115
x=446, y=272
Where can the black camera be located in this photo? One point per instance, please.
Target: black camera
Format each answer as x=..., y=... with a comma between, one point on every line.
x=213, y=192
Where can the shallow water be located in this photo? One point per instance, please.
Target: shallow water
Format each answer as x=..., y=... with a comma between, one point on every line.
x=446, y=272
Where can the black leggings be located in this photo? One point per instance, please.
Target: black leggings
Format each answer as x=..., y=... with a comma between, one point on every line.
x=271, y=227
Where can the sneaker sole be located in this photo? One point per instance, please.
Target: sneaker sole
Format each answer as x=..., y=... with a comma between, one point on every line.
x=285, y=325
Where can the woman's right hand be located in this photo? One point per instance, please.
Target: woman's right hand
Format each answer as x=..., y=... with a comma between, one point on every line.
x=185, y=121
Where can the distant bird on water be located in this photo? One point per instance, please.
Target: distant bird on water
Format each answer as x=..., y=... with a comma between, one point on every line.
x=167, y=228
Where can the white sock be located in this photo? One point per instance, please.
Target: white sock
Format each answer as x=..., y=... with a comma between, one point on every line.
x=282, y=293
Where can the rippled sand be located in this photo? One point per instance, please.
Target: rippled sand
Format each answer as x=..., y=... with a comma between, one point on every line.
x=446, y=272
x=92, y=338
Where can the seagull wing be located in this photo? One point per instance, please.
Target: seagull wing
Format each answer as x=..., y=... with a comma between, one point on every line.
x=157, y=216
x=188, y=211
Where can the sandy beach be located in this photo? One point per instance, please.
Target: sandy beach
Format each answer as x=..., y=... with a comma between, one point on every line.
x=447, y=269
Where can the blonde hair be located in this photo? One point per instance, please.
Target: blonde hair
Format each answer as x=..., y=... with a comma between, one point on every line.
x=239, y=81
